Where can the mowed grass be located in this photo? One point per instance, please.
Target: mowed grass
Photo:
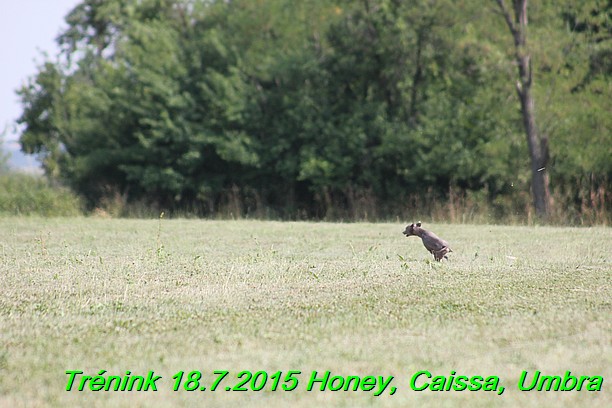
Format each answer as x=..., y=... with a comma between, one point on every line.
x=356, y=299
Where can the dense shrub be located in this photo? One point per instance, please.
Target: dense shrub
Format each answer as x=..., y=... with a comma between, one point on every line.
x=25, y=194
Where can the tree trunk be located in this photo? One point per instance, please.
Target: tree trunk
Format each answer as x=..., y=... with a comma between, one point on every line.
x=538, y=145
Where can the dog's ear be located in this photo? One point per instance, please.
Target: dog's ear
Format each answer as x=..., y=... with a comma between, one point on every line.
x=418, y=224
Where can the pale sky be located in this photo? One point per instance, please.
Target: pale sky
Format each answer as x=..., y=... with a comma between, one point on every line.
x=27, y=29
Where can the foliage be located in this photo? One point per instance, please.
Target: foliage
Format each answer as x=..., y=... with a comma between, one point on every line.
x=24, y=194
x=317, y=108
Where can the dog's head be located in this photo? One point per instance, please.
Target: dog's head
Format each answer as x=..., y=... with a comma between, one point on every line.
x=410, y=229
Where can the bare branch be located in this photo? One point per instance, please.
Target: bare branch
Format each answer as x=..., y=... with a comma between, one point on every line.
x=519, y=89
x=520, y=11
x=529, y=70
x=538, y=147
x=508, y=18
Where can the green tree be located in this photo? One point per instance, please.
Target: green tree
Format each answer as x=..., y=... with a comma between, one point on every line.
x=152, y=110
x=322, y=108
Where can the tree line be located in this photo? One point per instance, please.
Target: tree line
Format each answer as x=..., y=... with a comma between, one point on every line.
x=324, y=108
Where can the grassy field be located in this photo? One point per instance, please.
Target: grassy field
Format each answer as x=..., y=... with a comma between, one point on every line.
x=355, y=299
